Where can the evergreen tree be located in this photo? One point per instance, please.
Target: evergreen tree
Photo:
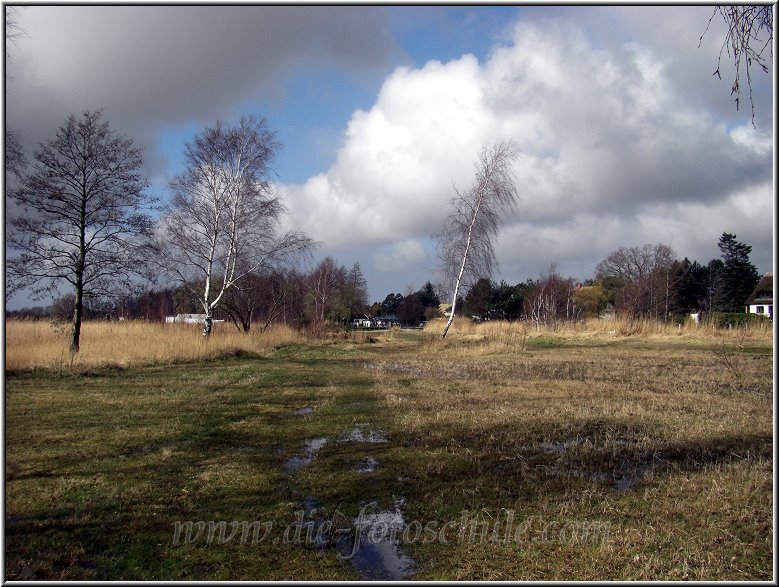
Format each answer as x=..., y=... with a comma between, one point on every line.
x=411, y=309
x=505, y=302
x=478, y=297
x=691, y=290
x=391, y=303
x=739, y=275
x=429, y=297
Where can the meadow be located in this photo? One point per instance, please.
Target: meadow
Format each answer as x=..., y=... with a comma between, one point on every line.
x=601, y=451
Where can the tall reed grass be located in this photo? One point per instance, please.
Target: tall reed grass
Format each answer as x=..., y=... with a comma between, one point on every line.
x=33, y=344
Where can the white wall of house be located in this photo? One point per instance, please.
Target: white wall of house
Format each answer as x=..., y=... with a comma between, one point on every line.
x=762, y=309
x=188, y=319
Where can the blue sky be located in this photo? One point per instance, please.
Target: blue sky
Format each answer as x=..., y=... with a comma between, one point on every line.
x=625, y=136
x=314, y=105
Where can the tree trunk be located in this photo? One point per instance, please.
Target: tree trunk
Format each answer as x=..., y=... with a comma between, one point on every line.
x=207, y=325
x=247, y=321
x=75, y=337
x=451, y=312
x=462, y=268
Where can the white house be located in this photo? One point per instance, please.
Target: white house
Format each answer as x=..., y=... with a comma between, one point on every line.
x=362, y=322
x=761, y=301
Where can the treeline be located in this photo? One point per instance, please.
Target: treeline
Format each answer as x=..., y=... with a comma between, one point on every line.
x=327, y=293
x=411, y=309
x=638, y=282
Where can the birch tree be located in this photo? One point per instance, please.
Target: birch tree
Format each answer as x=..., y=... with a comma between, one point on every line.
x=222, y=222
x=465, y=245
x=82, y=220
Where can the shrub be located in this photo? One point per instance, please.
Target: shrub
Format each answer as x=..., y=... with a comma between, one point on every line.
x=734, y=319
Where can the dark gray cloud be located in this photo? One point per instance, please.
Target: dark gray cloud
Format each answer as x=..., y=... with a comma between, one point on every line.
x=155, y=66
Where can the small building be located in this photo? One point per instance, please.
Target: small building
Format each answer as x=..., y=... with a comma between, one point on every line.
x=188, y=319
x=385, y=321
x=761, y=300
x=362, y=321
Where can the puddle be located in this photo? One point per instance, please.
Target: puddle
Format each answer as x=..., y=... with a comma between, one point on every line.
x=374, y=550
x=311, y=525
x=636, y=476
x=360, y=433
x=370, y=543
x=308, y=506
x=366, y=465
x=303, y=411
x=313, y=446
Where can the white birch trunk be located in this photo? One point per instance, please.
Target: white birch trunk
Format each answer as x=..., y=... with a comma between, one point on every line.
x=462, y=268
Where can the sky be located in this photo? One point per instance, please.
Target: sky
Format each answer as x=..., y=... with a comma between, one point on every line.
x=624, y=135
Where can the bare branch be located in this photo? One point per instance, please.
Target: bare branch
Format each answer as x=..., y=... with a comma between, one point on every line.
x=748, y=41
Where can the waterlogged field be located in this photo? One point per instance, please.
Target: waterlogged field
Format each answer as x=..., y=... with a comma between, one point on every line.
x=501, y=453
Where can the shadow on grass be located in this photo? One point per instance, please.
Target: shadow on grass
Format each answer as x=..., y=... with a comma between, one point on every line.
x=616, y=453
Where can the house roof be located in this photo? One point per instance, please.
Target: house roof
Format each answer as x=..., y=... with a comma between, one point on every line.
x=763, y=292
x=388, y=318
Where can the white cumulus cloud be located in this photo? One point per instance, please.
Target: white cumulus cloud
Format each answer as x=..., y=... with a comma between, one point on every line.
x=614, y=152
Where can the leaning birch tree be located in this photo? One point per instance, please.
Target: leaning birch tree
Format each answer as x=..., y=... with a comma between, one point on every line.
x=465, y=245
x=222, y=221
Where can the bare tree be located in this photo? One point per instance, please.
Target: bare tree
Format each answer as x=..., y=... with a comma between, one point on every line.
x=13, y=30
x=242, y=302
x=552, y=300
x=221, y=224
x=15, y=160
x=352, y=295
x=83, y=219
x=323, y=284
x=748, y=41
x=465, y=245
x=647, y=273
x=635, y=262
x=261, y=298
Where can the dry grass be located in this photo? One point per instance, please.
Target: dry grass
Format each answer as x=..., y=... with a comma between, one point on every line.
x=656, y=435
x=42, y=344
x=504, y=332
x=659, y=436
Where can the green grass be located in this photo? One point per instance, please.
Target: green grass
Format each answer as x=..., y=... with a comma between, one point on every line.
x=100, y=466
